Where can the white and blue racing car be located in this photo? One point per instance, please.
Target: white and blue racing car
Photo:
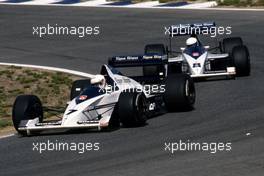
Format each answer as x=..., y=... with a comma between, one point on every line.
x=228, y=60
x=110, y=99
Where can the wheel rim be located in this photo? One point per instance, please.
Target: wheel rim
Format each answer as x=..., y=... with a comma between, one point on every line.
x=141, y=107
x=189, y=92
x=35, y=111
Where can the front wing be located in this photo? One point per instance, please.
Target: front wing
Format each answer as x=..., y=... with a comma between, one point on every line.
x=35, y=125
x=229, y=72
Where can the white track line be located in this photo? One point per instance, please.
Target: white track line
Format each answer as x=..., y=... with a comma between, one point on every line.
x=73, y=72
x=201, y=5
x=92, y=3
x=6, y=136
x=40, y=2
x=144, y=4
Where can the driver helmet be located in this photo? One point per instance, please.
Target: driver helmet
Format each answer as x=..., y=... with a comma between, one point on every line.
x=192, y=41
x=99, y=80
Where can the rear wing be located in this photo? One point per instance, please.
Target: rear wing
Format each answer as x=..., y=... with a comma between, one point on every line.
x=192, y=29
x=134, y=61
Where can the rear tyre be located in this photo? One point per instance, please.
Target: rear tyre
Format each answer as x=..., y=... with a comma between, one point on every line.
x=230, y=43
x=26, y=107
x=240, y=56
x=78, y=86
x=114, y=120
x=132, y=109
x=179, y=92
x=155, y=49
x=151, y=49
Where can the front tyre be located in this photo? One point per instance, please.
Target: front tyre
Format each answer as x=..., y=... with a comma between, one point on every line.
x=241, y=60
x=179, y=92
x=230, y=43
x=132, y=109
x=26, y=107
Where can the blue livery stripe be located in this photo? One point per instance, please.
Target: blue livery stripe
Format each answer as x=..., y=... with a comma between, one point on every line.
x=120, y=3
x=16, y=1
x=67, y=2
x=174, y=4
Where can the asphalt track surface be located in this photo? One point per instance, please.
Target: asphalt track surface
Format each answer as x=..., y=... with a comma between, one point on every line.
x=225, y=110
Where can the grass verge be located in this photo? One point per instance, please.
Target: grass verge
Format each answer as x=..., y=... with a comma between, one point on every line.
x=53, y=88
x=241, y=3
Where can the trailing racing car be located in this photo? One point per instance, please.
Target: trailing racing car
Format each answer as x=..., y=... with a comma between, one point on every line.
x=110, y=99
x=227, y=60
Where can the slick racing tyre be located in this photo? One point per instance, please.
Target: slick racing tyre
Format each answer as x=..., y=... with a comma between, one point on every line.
x=240, y=56
x=26, y=107
x=155, y=49
x=230, y=43
x=152, y=49
x=179, y=92
x=78, y=86
x=132, y=109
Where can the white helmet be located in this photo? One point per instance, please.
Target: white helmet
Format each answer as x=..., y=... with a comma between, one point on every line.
x=190, y=41
x=99, y=80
